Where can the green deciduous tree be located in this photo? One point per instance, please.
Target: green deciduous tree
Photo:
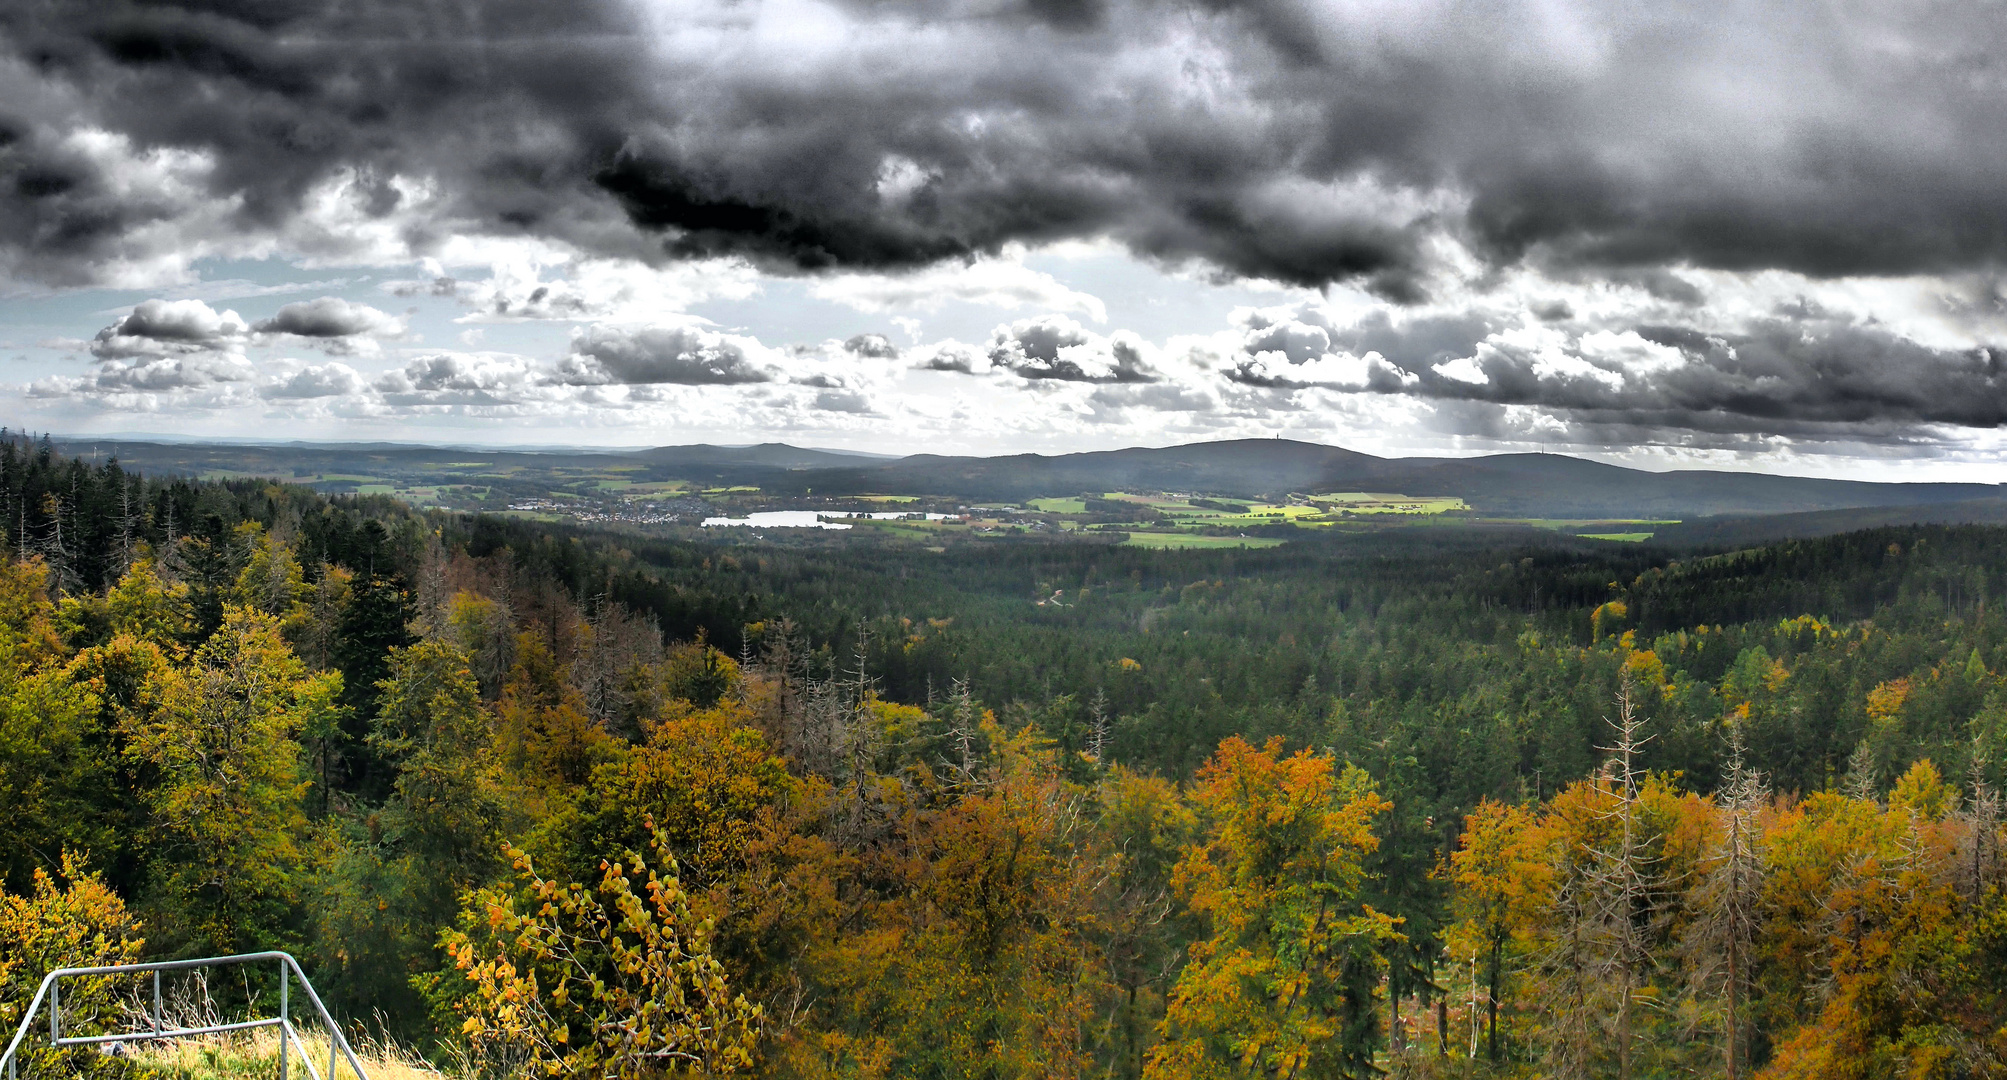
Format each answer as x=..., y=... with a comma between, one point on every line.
x=221, y=737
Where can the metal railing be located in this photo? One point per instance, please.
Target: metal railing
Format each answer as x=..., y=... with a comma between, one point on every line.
x=289, y=969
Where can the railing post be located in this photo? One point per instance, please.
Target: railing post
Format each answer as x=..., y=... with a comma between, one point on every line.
x=51, y=986
x=281, y=1018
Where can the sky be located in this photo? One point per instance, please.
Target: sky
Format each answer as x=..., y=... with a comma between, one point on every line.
x=1766, y=234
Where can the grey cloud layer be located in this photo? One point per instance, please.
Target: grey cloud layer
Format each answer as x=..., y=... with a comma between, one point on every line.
x=1787, y=376
x=1289, y=139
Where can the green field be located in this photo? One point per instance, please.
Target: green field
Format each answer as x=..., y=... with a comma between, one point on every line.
x=1317, y=511
x=1058, y=506
x=1624, y=537
x=1194, y=540
x=1366, y=502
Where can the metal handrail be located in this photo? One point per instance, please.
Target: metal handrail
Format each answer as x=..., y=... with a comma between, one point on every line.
x=289, y=968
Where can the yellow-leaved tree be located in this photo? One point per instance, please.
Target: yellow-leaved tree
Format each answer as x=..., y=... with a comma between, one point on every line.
x=1284, y=984
x=80, y=922
x=617, y=982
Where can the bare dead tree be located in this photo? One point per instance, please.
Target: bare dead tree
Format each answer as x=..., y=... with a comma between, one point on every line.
x=1568, y=970
x=123, y=553
x=618, y=643
x=860, y=730
x=54, y=548
x=1721, y=942
x=962, y=721
x=1861, y=768
x=1621, y=889
x=1097, y=726
x=1979, y=847
x=433, y=595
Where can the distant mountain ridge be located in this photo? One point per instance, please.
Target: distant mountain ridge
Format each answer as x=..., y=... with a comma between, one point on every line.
x=1503, y=485
x=1525, y=485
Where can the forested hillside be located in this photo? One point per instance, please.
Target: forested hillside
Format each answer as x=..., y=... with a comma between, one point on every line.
x=588, y=803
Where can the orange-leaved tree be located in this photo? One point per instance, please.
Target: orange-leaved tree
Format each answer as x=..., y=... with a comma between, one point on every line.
x=975, y=953
x=1284, y=983
x=1504, y=877
x=1897, y=974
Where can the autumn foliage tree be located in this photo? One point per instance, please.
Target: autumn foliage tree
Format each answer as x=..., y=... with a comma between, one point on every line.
x=1285, y=981
x=66, y=919
x=613, y=981
x=1503, y=881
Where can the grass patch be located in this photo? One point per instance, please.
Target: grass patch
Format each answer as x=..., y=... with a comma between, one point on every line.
x=1581, y=526
x=1058, y=506
x=1622, y=537
x=256, y=1057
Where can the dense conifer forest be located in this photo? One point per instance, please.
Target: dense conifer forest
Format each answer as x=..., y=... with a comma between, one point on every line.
x=538, y=800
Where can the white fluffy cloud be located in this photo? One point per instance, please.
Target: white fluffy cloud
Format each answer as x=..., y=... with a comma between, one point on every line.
x=331, y=325
x=170, y=328
x=459, y=379
x=1767, y=363
x=647, y=355
x=1056, y=347
x=513, y=281
x=331, y=380
x=170, y=373
x=330, y=317
x=992, y=282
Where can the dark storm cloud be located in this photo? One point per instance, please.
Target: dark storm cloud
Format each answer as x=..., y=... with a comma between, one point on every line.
x=1284, y=139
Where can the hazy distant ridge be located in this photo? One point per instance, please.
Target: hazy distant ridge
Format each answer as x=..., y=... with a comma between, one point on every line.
x=1520, y=485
